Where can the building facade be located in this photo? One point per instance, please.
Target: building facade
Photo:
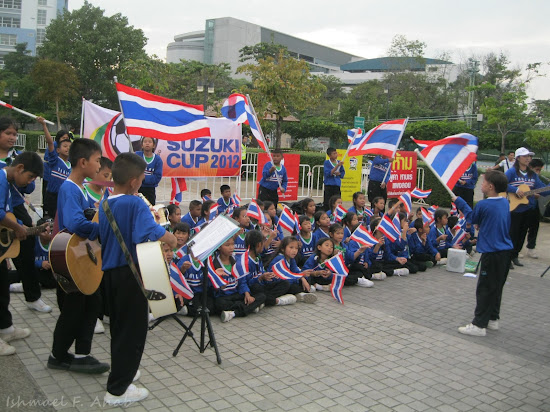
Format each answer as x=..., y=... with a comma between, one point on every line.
x=25, y=21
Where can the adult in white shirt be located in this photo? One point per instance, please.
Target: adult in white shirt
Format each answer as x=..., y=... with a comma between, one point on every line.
x=507, y=163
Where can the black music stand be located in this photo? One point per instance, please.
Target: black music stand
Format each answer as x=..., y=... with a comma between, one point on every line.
x=544, y=273
x=178, y=320
x=211, y=236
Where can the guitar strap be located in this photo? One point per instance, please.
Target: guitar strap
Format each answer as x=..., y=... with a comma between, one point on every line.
x=149, y=294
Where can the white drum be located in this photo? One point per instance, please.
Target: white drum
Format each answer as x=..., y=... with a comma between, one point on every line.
x=154, y=273
x=456, y=260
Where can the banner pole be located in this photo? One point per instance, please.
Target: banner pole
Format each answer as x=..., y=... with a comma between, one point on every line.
x=396, y=146
x=82, y=118
x=435, y=173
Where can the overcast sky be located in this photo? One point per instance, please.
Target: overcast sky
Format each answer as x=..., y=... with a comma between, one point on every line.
x=519, y=29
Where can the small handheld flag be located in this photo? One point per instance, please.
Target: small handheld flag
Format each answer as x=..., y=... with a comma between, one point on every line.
x=282, y=271
x=454, y=210
x=388, y=229
x=427, y=217
x=383, y=139
x=213, y=211
x=241, y=267
x=353, y=133
x=217, y=280
x=178, y=283
x=336, y=287
x=255, y=212
x=421, y=194
x=286, y=220
x=458, y=237
x=396, y=222
x=339, y=213
x=236, y=199
x=178, y=187
x=405, y=198
x=368, y=212
x=363, y=237
x=337, y=265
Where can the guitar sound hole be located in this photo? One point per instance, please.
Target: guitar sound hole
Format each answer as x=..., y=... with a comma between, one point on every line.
x=4, y=237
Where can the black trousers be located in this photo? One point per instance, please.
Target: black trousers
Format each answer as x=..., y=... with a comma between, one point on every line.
x=76, y=323
x=149, y=193
x=494, y=271
x=235, y=302
x=271, y=290
x=5, y=314
x=420, y=259
x=357, y=270
x=25, y=261
x=128, y=311
x=374, y=190
x=533, y=231
x=330, y=190
x=267, y=194
x=193, y=304
x=519, y=225
x=466, y=194
x=50, y=204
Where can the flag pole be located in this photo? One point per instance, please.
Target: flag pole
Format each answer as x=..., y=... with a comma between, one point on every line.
x=266, y=145
x=130, y=148
x=396, y=146
x=435, y=173
x=9, y=106
x=82, y=118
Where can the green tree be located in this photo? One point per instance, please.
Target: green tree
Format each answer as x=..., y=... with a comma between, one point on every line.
x=402, y=47
x=281, y=87
x=330, y=102
x=56, y=81
x=20, y=61
x=96, y=46
x=538, y=140
x=541, y=111
x=261, y=51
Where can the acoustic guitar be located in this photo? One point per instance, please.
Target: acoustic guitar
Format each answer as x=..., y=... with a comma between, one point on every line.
x=76, y=262
x=9, y=244
x=516, y=201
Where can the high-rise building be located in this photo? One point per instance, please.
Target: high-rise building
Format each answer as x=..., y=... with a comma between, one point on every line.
x=25, y=21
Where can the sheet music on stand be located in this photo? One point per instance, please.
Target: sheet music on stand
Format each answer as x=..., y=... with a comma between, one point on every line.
x=215, y=234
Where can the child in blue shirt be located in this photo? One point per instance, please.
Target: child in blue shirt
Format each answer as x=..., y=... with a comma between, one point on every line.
x=273, y=173
x=224, y=202
x=320, y=277
x=380, y=174
x=465, y=186
x=193, y=218
x=127, y=305
x=322, y=224
x=381, y=258
x=439, y=236
x=350, y=223
x=240, y=216
x=420, y=248
x=493, y=217
x=333, y=172
x=333, y=202
x=400, y=248
x=359, y=207
x=42, y=266
x=153, y=171
x=306, y=240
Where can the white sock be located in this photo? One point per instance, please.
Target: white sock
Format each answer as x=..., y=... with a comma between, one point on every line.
x=11, y=329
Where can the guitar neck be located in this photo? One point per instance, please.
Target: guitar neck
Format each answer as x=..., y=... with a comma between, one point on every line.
x=539, y=190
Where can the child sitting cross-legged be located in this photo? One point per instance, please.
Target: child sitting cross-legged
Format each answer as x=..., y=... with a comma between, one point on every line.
x=400, y=248
x=420, y=248
x=336, y=233
x=320, y=277
x=381, y=257
x=439, y=235
x=305, y=237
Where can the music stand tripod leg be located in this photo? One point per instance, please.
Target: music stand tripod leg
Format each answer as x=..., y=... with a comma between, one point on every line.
x=544, y=273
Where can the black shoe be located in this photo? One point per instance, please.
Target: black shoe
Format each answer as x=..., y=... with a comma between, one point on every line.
x=516, y=262
x=64, y=364
x=512, y=267
x=89, y=364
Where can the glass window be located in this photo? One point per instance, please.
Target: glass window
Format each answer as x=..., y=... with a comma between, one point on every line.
x=40, y=36
x=41, y=17
x=42, y=2
x=10, y=4
x=8, y=39
x=10, y=22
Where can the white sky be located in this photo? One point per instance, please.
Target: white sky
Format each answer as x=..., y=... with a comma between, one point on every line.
x=519, y=29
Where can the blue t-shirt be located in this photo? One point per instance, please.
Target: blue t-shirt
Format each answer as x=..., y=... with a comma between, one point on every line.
x=239, y=244
x=533, y=181
x=136, y=224
x=378, y=170
x=59, y=171
x=329, y=178
x=308, y=246
x=41, y=253
x=153, y=170
x=469, y=177
x=416, y=247
x=71, y=202
x=269, y=180
x=5, y=195
x=16, y=198
x=291, y=265
x=191, y=222
x=193, y=275
x=223, y=206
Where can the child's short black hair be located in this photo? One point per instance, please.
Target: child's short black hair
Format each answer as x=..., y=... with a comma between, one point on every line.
x=498, y=179
x=419, y=224
x=205, y=192
x=348, y=218
x=318, y=215
x=6, y=123
x=303, y=218
x=126, y=166
x=31, y=163
x=205, y=208
x=334, y=228
x=237, y=212
x=452, y=221
x=182, y=227
x=536, y=163
x=194, y=204
x=155, y=141
x=278, y=151
x=306, y=202
x=267, y=204
x=330, y=150
x=59, y=136
x=392, y=202
x=374, y=223
x=172, y=208
x=332, y=201
x=402, y=216
x=439, y=214
x=105, y=163
x=253, y=238
x=376, y=200
x=83, y=149
x=260, y=203
x=223, y=188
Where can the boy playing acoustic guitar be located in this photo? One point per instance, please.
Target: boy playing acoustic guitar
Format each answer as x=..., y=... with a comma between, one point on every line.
x=23, y=170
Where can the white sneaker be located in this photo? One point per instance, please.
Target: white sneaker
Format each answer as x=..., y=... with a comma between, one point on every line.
x=99, y=328
x=151, y=318
x=306, y=297
x=6, y=348
x=40, y=306
x=16, y=288
x=18, y=333
x=532, y=254
x=365, y=283
x=379, y=276
x=227, y=315
x=182, y=311
x=132, y=394
x=318, y=287
x=286, y=300
x=401, y=272
x=442, y=261
x=493, y=325
x=473, y=330
x=137, y=376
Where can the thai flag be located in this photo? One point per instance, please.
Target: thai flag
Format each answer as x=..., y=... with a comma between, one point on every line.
x=339, y=213
x=206, y=198
x=405, y=198
x=459, y=236
x=454, y=210
x=236, y=108
x=452, y=156
x=241, y=267
x=337, y=265
x=383, y=139
x=353, y=133
x=286, y=220
x=362, y=236
x=368, y=212
x=146, y=114
x=388, y=229
x=336, y=287
x=236, y=199
x=217, y=280
x=421, y=194
x=213, y=211
x=178, y=187
x=423, y=143
x=427, y=217
x=462, y=221
x=255, y=212
x=282, y=271
x=297, y=223
x=396, y=222
x=178, y=283
x=181, y=252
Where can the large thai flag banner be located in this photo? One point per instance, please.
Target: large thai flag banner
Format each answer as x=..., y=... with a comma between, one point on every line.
x=282, y=271
x=389, y=230
x=383, y=139
x=179, y=284
x=287, y=220
x=362, y=236
x=217, y=280
x=423, y=143
x=241, y=268
x=450, y=157
x=146, y=114
x=337, y=265
x=237, y=109
x=421, y=194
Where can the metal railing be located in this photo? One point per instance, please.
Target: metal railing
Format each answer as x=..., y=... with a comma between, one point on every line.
x=21, y=140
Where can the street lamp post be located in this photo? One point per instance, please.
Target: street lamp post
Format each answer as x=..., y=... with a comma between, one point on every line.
x=387, y=93
x=205, y=87
x=11, y=93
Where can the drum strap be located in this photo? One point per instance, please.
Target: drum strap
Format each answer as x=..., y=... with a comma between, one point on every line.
x=149, y=294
